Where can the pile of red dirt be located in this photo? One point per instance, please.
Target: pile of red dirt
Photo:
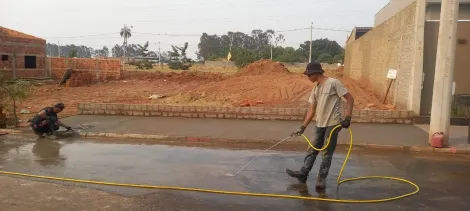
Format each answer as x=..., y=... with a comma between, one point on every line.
x=262, y=81
x=263, y=67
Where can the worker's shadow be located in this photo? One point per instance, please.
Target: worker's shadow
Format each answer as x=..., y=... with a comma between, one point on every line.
x=303, y=190
x=47, y=153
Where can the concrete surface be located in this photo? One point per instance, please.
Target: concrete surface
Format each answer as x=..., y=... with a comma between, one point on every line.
x=443, y=180
x=379, y=134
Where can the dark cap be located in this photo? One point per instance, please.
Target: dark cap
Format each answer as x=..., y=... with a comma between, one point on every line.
x=59, y=105
x=313, y=67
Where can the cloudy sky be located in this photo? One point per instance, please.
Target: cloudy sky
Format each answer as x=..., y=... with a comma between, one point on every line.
x=96, y=23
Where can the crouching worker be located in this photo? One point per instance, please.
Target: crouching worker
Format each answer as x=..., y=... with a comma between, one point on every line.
x=325, y=102
x=46, y=121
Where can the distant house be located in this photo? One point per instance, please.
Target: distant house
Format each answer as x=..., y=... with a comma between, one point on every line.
x=22, y=55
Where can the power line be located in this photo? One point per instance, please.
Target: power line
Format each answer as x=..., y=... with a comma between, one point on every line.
x=90, y=35
x=170, y=35
x=323, y=29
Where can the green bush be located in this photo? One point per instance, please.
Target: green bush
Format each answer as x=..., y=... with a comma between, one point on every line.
x=142, y=64
x=10, y=93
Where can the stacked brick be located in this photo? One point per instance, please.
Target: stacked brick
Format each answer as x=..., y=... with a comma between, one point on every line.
x=79, y=78
x=260, y=113
x=100, y=69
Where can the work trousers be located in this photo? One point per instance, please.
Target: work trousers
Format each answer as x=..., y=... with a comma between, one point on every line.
x=321, y=135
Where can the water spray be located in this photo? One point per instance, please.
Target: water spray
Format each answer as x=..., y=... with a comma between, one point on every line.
x=243, y=167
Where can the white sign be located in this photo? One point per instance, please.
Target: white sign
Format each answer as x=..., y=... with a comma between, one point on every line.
x=392, y=74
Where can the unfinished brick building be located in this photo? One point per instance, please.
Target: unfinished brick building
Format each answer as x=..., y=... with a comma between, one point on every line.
x=22, y=55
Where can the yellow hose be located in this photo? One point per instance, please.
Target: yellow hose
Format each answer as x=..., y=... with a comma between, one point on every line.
x=339, y=181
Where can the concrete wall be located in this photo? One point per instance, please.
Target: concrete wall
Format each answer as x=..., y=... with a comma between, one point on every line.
x=390, y=10
x=16, y=46
x=101, y=69
x=395, y=6
x=388, y=46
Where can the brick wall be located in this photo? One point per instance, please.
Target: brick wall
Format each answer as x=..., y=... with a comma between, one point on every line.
x=387, y=46
x=100, y=69
x=16, y=48
x=297, y=114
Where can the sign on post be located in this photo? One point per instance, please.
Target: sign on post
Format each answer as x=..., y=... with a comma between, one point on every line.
x=392, y=74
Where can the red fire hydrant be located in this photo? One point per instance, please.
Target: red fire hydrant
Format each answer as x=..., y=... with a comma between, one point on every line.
x=437, y=140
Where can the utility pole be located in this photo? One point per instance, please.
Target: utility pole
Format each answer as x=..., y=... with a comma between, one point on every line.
x=58, y=46
x=124, y=47
x=310, y=51
x=444, y=74
x=159, y=56
x=271, y=52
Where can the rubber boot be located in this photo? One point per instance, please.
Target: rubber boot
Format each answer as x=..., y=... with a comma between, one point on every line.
x=321, y=183
x=301, y=176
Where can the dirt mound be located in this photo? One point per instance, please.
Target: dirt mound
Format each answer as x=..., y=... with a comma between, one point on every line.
x=263, y=67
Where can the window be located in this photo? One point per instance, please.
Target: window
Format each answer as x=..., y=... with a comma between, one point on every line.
x=4, y=57
x=30, y=62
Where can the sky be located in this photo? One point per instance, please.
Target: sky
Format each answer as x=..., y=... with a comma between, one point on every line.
x=96, y=23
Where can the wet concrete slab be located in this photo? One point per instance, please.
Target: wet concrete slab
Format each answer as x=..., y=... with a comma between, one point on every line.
x=443, y=180
x=380, y=134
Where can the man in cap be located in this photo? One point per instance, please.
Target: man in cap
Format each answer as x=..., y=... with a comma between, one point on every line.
x=46, y=121
x=325, y=101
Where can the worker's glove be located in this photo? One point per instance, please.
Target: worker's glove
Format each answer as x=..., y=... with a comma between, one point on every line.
x=346, y=122
x=68, y=128
x=300, y=131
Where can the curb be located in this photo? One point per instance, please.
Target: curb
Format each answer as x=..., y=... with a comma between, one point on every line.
x=424, y=149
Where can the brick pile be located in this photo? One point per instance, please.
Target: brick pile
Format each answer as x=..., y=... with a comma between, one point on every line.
x=80, y=78
x=100, y=69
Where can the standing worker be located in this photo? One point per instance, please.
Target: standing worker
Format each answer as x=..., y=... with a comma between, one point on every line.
x=325, y=101
x=46, y=121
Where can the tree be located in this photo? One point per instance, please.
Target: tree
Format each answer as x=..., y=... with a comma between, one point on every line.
x=101, y=52
x=143, y=49
x=73, y=53
x=178, y=58
x=243, y=56
x=213, y=47
x=10, y=93
x=126, y=34
x=117, y=51
x=210, y=46
x=321, y=46
x=339, y=58
x=325, y=58
x=65, y=50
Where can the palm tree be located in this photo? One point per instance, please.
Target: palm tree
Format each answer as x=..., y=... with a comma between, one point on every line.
x=125, y=33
